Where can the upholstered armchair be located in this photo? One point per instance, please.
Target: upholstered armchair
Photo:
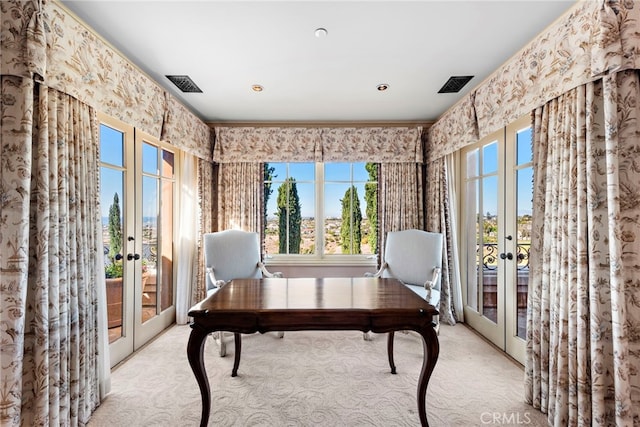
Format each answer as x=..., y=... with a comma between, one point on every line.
x=415, y=258
x=228, y=255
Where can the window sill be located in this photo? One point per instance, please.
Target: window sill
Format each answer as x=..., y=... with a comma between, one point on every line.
x=356, y=261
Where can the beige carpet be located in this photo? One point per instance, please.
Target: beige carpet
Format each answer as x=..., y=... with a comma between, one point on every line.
x=319, y=379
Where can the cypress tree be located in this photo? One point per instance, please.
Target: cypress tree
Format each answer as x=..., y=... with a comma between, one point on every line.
x=289, y=217
x=115, y=228
x=351, y=236
x=371, y=198
x=268, y=177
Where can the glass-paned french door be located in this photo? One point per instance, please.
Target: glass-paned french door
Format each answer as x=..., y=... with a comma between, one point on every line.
x=497, y=194
x=137, y=198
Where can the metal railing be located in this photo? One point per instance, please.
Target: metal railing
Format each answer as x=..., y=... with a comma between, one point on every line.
x=490, y=256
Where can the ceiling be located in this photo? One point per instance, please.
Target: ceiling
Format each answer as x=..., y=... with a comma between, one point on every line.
x=226, y=47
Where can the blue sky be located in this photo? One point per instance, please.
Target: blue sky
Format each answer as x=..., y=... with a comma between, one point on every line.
x=338, y=177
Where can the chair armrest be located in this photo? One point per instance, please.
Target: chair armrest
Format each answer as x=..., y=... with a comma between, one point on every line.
x=267, y=273
x=430, y=283
x=377, y=273
x=212, y=277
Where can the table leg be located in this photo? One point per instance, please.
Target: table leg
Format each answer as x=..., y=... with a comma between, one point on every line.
x=431, y=348
x=390, y=351
x=195, y=350
x=236, y=357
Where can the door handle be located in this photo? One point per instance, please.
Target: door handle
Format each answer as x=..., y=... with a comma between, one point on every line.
x=508, y=255
x=133, y=257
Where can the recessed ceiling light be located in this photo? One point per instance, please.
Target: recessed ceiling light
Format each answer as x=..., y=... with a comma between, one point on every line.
x=383, y=86
x=257, y=88
x=321, y=32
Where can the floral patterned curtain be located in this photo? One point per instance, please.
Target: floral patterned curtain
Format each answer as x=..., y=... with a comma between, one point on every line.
x=52, y=351
x=400, y=198
x=240, y=193
x=294, y=144
x=583, y=346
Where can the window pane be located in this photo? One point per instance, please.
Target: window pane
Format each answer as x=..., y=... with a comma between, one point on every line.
x=302, y=172
x=523, y=145
x=167, y=164
x=150, y=216
x=111, y=146
x=360, y=173
x=340, y=172
x=472, y=243
x=149, y=158
x=524, y=209
x=306, y=193
x=349, y=208
x=333, y=194
x=343, y=223
x=490, y=247
x=166, y=250
x=490, y=158
x=279, y=172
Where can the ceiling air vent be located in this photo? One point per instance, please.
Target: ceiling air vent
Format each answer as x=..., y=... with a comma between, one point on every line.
x=454, y=84
x=184, y=83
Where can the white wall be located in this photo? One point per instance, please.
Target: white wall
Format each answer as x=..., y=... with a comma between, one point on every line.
x=321, y=270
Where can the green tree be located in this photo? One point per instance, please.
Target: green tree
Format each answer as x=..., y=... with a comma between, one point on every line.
x=268, y=177
x=289, y=217
x=371, y=199
x=350, y=233
x=115, y=229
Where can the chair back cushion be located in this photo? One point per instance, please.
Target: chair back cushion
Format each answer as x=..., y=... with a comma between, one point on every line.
x=411, y=256
x=232, y=254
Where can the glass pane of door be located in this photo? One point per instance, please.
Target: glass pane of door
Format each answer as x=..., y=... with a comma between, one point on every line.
x=524, y=207
x=483, y=222
x=158, y=183
x=472, y=241
x=167, y=174
x=150, y=216
x=111, y=199
x=489, y=245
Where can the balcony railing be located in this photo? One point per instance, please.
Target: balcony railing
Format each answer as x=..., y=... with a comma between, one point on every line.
x=490, y=256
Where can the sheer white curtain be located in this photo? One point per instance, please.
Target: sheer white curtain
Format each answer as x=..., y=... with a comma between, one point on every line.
x=187, y=236
x=441, y=216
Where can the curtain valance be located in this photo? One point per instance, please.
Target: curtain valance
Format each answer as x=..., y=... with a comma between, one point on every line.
x=591, y=39
x=41, y=40
x=296, y=144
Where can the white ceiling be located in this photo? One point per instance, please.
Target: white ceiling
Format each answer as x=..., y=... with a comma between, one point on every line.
x=228, y=46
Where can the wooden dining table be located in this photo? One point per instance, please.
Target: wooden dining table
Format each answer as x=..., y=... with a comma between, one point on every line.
x=245, y=306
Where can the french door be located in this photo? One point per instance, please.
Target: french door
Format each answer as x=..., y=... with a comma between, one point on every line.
x=137, y=198
x=497, y=195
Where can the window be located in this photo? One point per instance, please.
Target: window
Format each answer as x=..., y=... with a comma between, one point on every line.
x=321, y=210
